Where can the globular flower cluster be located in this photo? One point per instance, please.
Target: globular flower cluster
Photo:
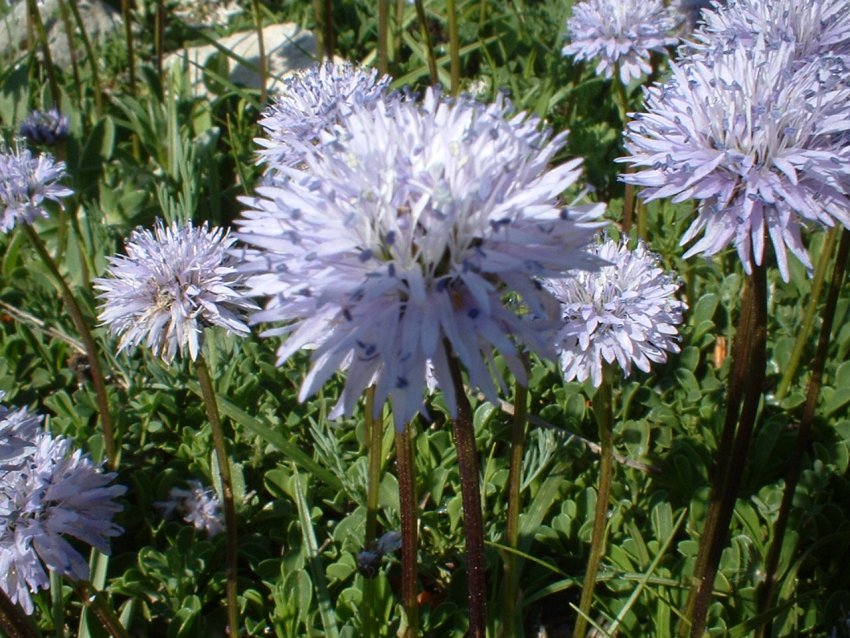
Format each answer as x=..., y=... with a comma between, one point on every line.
x=619, y=35
x=625, y=313
x=313, y=102
x=26, y=184
x=390, y=252
x=48, y=493
x=754, y=133
x=45, y=127
x=199, y=506
x=172, y=284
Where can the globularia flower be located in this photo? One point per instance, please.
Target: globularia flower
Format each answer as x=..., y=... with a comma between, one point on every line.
x=56, y=493
x=26, y=183
x=624, y=313
x=392, y=250
x=619, y=34
x=756, y=143
x=172, y=284
x=313, y=102
x=45, y=127
x=18, y=430
x=199, y=506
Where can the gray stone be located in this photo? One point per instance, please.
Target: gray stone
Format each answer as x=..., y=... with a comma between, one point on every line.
x=100, y=21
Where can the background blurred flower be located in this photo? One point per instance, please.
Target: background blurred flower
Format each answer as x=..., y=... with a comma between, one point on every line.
x=755, y=141
x=56, y=493
x=393, y=248
x=26, y=183
x=199, y=506
x=45, y=127
x=619, y=34
x=173, y=283
x=624, y=313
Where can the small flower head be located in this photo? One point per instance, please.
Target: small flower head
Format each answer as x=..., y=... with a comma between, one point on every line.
x=45, y=127
x=392, y=250
x=26, y=183
x=18, y=431
x=313, y=102
x=199, y=506
x=172, y=284
x=619, y=34
x=624, y=313
x=756, y=140
x=56, y=493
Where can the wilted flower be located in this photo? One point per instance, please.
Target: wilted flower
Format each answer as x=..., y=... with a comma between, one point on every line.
x=56, y=493
x=755, y=142
x=313, y=102
x=18, y=431
x=393, y=248
x=25, y=185
x=172, y=283
x=199, y=506
x=624, y=313
x=619, y=34
x=45, y=127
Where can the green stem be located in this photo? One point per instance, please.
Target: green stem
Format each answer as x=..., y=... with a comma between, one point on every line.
x=383, y=36
x=211, y=405
x=98, y=91
x=454, y=47
x=426, y=38
x=604, y=413
x=13, y=621
x=795, y=463
x=72, y=51
x=97, y=376
x=473, y=522
x=93, y=600
x=743, y=398
x=258, y=20
x=159, y=38
x=409, y=540
x=128, y=36
x=511, y=572
x=809, y=316
x=374, y=445
x=32, y=8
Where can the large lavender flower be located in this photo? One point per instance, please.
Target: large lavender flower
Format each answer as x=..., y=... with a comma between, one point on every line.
x=56, y=493
x=391, y=251
x=755, y=142
x=619, y=34
x=624, y=313
x=200, y=506
x=173, y=283
x=18, y=430
x=312, y=102
x=26, y=183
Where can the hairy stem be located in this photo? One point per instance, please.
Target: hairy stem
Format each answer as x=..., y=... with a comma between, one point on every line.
x=35, y=15
x=383, y=36
x=603, y=411
x=264, y=81
x=409, y=523
x=374, y=441
x=426, y=38
x=231, y=556
x=97, y=376
x=454, y=47
x=795, y=463
x=473, y=523
x=13, y=621
x=93, y=599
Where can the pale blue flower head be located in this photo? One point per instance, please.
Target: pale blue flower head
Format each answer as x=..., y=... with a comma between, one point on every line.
x=56, y=493
x=619, y=34
x=18, y=431
x=313, y=102
x=624, y=313
x=199, y=506
x=393, y=248
x=26, y=184
x=172, y=284
x=755, y=138
x=45, y=127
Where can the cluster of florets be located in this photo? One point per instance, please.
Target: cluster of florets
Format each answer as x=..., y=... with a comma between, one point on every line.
x=48, y=493
x=45, y=127
x=27, y=183
x=754, y=128
x=199, y=506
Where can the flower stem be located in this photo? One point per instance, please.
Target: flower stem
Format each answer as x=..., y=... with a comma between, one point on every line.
x=383, y=36
x=426, y=38
x=454, y=47
x=258, y=21
x=809, y=316
x=743, y=398
x=795, y=463
x=97, y=376
x=511, y=573
x=13, y=621
x=473, y=523
x=604, y=413
x=211, y=405
x=409, y=540
x=35, y=15
x=374, y=445
x=93, y=599
x=128, y=36
x=98, y=91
